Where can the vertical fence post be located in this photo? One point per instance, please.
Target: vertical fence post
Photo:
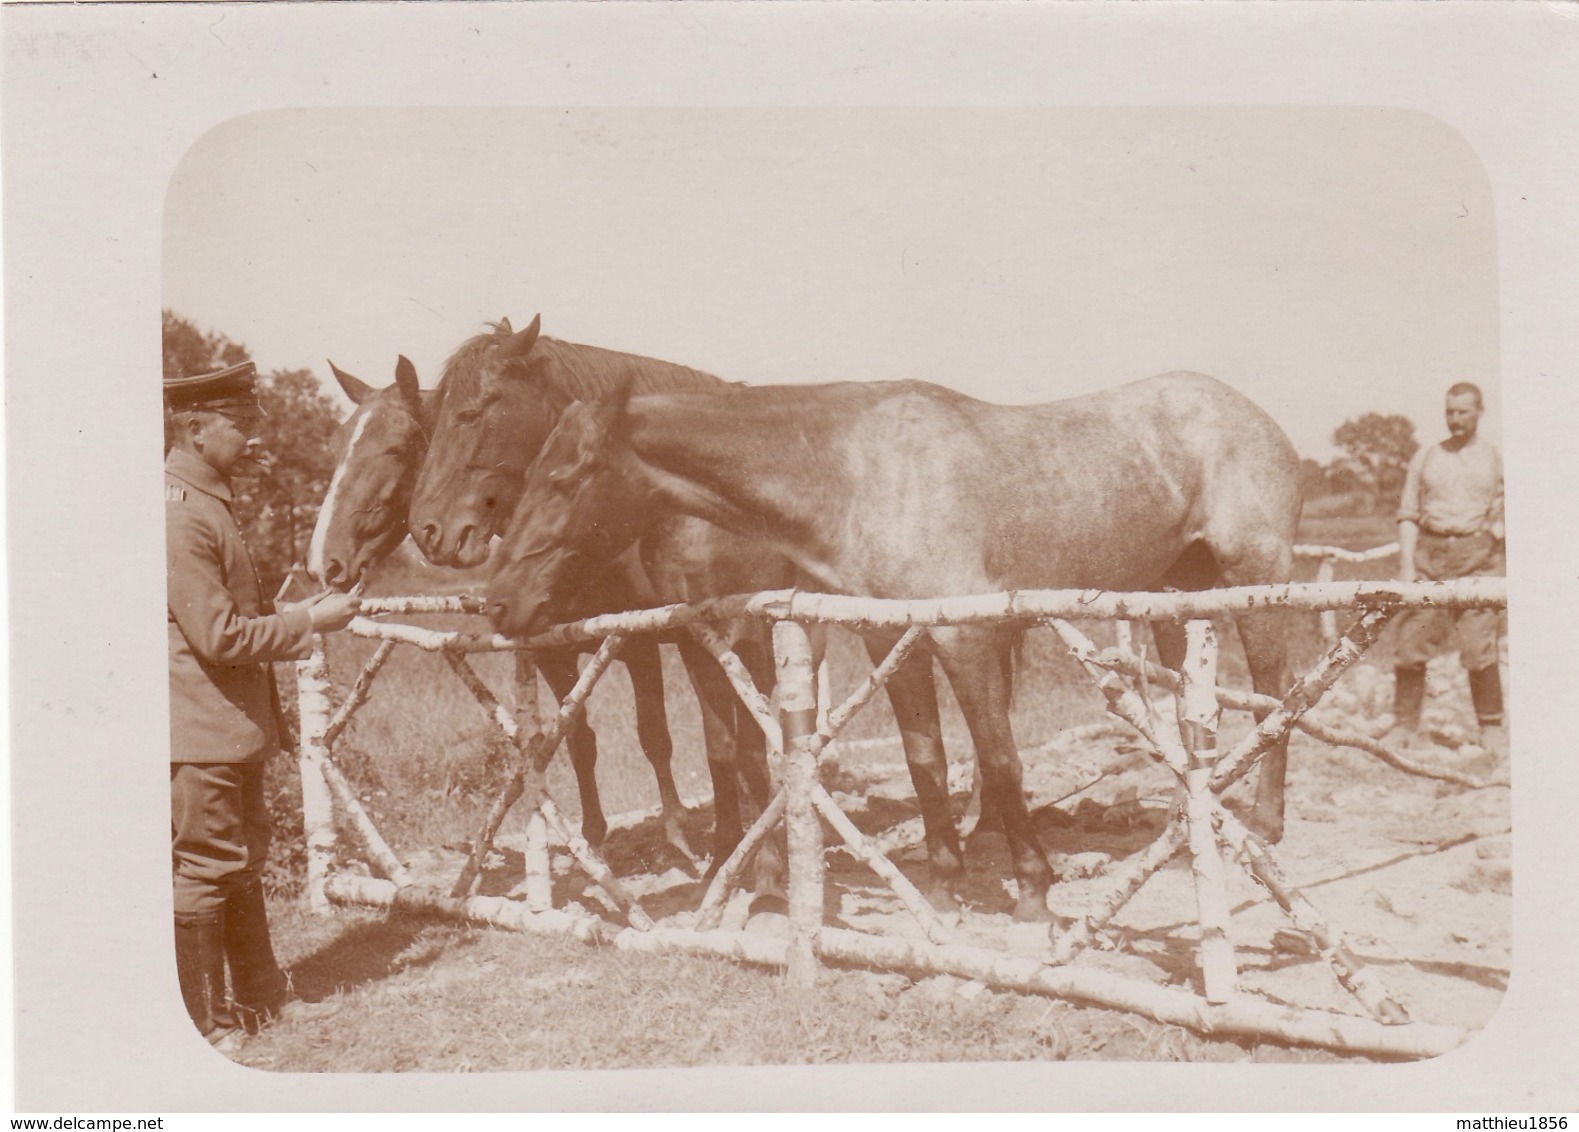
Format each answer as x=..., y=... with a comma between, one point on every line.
x=797, y=704
x=312, y=705
x=1329, y=617
x=1198, y=715
x=538, y=880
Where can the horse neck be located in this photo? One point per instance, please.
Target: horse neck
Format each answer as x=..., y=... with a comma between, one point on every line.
x=589, y=373
x=766, y=464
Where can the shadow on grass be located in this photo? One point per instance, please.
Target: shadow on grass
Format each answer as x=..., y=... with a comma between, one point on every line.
x=366, y=953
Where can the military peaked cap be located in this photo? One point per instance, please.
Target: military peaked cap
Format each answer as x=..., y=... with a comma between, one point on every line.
x=232, y=387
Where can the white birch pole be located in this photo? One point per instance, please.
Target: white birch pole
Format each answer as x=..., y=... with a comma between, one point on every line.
x=711, y=911
x=1123, y=701
x=538, y=881
x=1243, y=1017
x=1329, y=619
x=1304, y=695
x=312, y=705
x=1020, y=605
x=1251, y=701
x=377, y=848
x=358, y=694
x=1125, y=883
x=740, y=680
x=798, y=716
x=863, y=849
x=535, y=751
x=1198, y=713
x=1346, y=966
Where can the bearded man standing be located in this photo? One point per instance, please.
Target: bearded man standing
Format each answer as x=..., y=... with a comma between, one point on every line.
x=1450, y=525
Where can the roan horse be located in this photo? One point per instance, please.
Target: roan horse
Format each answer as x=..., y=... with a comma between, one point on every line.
x=500, y=395
x=910, y=490
x=379, y=450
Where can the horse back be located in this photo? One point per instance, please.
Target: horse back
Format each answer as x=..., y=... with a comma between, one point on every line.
x=1103, y=490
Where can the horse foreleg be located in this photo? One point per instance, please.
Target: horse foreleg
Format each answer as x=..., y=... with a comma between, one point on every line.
x=1266, y=650
x=559, y=670
x=715, y=700
x=971, y=659
x=645, y=665
x=988, y=818
x=914, y=699
x=751, y=757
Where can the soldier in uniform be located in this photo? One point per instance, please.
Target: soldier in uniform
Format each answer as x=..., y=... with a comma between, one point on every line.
x=1450, y=525
x=224, y=706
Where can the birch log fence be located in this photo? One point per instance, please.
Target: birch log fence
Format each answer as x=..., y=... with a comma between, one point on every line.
x=798, y=736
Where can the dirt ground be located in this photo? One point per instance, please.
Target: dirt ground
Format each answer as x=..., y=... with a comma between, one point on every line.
x=1414, y=873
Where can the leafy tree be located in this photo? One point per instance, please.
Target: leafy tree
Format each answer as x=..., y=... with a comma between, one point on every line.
x=188, y=351
x=276, y=510
x=1377, y=448
x=1313, y=477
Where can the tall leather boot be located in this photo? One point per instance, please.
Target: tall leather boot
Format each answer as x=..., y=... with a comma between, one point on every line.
x=1408, y=697
x=1485, y=692
x=200, y=969
x=258, y=985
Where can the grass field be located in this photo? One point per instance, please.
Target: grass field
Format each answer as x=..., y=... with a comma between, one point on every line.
x=426, y=762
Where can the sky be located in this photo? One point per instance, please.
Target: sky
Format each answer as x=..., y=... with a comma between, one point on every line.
x=1326, y=262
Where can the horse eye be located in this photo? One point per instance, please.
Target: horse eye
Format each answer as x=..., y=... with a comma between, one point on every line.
x=468, y=416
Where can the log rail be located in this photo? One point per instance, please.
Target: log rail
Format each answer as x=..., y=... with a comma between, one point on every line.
x=1200, y=827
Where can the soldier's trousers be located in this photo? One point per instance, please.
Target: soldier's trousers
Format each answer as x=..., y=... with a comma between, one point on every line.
x=1439, y=558
x=219, y=833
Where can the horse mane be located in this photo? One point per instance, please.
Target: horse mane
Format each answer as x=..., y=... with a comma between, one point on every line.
x=572, y=372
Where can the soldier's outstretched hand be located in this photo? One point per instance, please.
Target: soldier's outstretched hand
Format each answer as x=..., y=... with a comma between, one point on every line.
x=331, y=610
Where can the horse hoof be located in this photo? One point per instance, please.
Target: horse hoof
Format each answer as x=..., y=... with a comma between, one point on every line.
x=769, y=903
x=986, y=842
x=774, y=924
x=1268, y=829
x=941, y=899
x=1033, y=910
x=693, y=863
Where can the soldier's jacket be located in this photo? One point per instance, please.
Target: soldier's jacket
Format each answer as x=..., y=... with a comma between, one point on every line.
x=223, y=702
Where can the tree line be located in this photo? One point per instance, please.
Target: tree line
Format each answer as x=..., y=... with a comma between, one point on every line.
x=1370, y=470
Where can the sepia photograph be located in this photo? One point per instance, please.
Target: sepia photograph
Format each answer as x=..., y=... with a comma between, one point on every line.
x=705, y=587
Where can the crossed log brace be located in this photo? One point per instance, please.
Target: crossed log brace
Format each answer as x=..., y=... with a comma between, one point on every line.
x=798, y=743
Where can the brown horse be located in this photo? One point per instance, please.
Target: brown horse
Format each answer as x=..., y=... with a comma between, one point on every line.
x=379, y=451
x=499, y=397
x=910, y=490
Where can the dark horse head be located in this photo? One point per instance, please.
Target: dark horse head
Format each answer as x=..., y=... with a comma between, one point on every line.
x=501, y=394
x=484, y=441
x=378, y=450
x=578, y=506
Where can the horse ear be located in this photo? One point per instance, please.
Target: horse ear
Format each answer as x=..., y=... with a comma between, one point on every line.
x=355, y=388
x=521, y=344
x=584, y=420
x=406, y=380
x=504, y=325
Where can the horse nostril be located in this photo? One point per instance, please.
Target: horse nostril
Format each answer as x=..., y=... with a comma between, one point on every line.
x=428, y=536
x=332, y=572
